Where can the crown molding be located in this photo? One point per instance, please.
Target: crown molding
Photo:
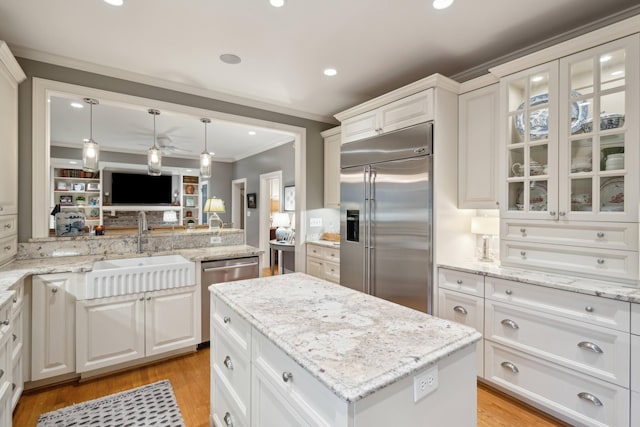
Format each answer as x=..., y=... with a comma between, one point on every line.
x=477, y=83
x=9, y=61
x=118, y=73
x=330, y=132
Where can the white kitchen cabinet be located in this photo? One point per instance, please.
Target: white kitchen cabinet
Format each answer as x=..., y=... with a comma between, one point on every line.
x=405, y=112
x=323, y=262
x=53, y=325
x=17, y=337
x=6, y=414
x=124, y=328
x=332, y=143
x=8, y=237
x=635, y=364
x=478, y=144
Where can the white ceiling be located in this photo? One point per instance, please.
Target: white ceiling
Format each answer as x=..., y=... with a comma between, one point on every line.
x=376, y=46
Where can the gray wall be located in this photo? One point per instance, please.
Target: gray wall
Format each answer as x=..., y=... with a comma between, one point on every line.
x=313, y=169
x=279, y=158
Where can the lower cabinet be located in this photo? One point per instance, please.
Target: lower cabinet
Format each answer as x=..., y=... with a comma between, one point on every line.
x=52, y=325
x=323, y=262
x=635, y=364
x=17, y=338
x=124, y=328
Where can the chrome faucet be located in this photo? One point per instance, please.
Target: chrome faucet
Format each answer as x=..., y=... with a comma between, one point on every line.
x=142, y=228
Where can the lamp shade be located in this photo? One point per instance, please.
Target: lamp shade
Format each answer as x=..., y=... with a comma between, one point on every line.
x=170, y=216
x=280, y=219
x=214, y=205
x=485, y=225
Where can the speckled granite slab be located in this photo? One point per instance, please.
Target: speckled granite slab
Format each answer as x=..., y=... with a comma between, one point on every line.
x=326, y=243
x=557, y=281
x=353, y=343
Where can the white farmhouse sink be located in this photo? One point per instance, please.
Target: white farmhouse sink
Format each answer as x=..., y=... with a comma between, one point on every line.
x=132, y=275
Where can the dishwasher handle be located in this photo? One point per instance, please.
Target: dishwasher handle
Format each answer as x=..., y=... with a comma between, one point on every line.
x=229, y=267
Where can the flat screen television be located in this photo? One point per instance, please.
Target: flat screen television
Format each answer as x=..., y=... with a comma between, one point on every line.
x=140, y=189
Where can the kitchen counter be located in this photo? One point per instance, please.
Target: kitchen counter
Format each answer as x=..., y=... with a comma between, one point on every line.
x=327, y=243
x=551, y=280
x=355, y=344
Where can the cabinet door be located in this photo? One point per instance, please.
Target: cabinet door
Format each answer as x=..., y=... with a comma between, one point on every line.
x=361, y=126
x=405, y=112
x=52, y=326
x=172, y=320
x=598, y=171
x=315, y=267
x=332, y=171
x=110, y=330
x=269, y=407
x=9, y=138
x=530, y=135
x=478, y=125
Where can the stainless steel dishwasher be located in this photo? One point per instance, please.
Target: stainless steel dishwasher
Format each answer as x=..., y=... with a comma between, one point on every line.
x=223, y=270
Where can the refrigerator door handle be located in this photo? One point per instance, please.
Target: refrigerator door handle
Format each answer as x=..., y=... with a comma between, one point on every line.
x=372, y=197
x=365, y=269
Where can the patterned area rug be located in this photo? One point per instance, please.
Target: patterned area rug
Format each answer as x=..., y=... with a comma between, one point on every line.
x=149, y=405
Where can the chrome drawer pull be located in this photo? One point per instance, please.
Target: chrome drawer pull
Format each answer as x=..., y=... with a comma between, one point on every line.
x=460, y=309
x=226, y=319
x=508, y=292
x=287, y=376
x=523, y=230
x=15, y=337
x=588, y=309
x=561, y=213
x=585, y=345
x=508, y=365
x=523, y=253
x=5, y=322
x=459, y=281
x=7, y=248
x=600, y=261
x=510, y=323
x=552, y=213
x=228, y=420
x=590, y=398
x=7, y=226
x=228, y=363
x=54, y=290
x=600, y=234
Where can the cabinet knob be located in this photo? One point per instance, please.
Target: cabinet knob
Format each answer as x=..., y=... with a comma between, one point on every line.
x=7, y=226
x=148, y=298
x=510, y=366
x=585, y=345
x=590, y=398
x=460, y=309
x=510, y=323
x=523, y=253
x=54, y=290
x=228, y=420
x=459, y=281
x=508, y=292
x=588, y=309
x=5, y=322
x=552, y=213
x=15, y=300
x=7, y=248
x=14, y=336
x=562, y=213
x=600, y=234
x=600, y=261
x=1, y=208
x=523, y=230
x=287, y=376
x=228, y=363
x=226, y=320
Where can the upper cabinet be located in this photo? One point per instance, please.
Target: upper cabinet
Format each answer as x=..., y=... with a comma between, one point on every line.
x=332, y=142
x=569, y=126
x=478, y=142
x=405, y=112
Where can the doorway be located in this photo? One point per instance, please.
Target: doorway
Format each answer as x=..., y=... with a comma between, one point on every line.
x=270, y=189
x=238, y=205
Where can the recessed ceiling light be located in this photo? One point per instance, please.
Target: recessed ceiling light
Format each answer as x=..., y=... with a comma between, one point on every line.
x=114, y=2
x=230, y=58
x=188, y=170
x=76, y=105
x=330, y=72
x=252, y=132
x=605, y=58
x=537, y=79
x=442, y=4
x=73, y=162
x=276, y=3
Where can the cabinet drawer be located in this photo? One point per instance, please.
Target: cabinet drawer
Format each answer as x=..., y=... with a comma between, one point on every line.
x=556, y=388
x=231, y=366
x=8, y=225
x=332, y=255
x=17, y=382
x=315, y=402
x=468, y=283
x=331, y=272
x=590, y=349
x=228, y=321
x=584, y=261
x=222, y=411
x=635, y=319
x=623, y=236
x=18, y=287
x=314, y=251
x=587, y=308
x=8, y=248
x=17, y=334
x=635, y=363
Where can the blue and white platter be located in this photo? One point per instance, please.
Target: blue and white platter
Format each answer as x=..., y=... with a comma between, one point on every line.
x=539, y=119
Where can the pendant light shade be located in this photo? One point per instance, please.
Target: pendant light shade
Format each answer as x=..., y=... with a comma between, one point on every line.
x=205, y=157
x=90, y=149
x=154, y=155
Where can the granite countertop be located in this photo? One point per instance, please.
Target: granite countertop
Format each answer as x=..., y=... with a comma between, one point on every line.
x=569, y=283
x=327, y=243
x=353, y=343
x=19, y=269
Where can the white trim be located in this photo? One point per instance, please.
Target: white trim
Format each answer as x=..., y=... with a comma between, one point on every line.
x=43, y=89
x=263, y=212
x=236, y=98
x=330, y=132
x=9, y=61
x=236, y=215
x=477, y=83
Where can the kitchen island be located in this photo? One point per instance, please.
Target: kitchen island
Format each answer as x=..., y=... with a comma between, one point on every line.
x=297, y=350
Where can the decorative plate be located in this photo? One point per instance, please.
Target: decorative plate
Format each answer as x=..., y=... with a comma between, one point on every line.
x=537, y=197
x=539, y=119
x=612, y=194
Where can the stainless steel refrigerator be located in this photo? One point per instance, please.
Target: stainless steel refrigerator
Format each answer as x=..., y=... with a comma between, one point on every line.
x=386, y=206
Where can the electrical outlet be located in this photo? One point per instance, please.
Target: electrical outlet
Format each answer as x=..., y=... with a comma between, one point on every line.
x=425, y=383
x=215, y=239
x=315, y=222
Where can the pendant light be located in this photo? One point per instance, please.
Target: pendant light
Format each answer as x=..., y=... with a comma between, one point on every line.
x=90, y=149
x=205, y=157
x=154, y=155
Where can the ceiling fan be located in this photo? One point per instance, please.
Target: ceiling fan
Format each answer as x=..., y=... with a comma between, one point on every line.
x=167, y=146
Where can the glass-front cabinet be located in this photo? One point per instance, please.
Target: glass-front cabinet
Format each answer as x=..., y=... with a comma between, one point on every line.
x=572, y=137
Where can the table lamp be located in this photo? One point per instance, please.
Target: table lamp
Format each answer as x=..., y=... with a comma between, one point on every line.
x=486, y=226
x=281, y=221
x=213, y=207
